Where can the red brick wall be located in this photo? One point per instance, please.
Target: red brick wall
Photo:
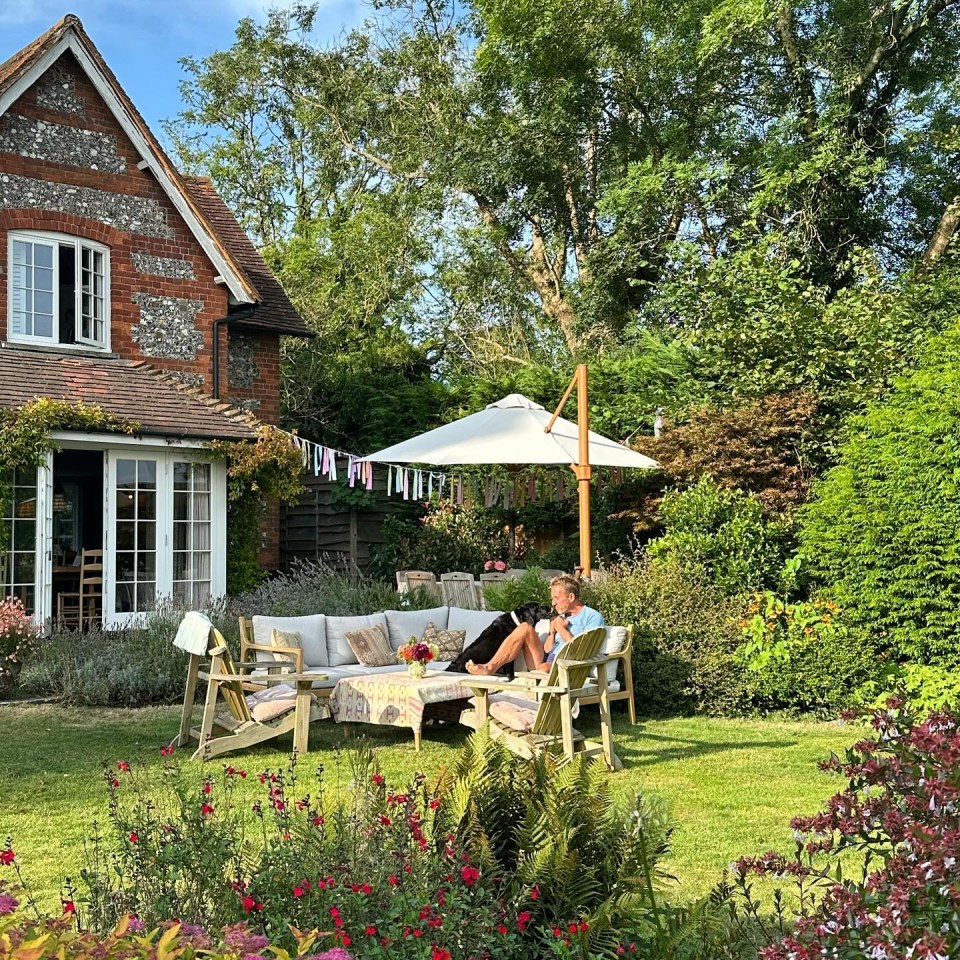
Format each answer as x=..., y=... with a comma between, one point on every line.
x=125, y=280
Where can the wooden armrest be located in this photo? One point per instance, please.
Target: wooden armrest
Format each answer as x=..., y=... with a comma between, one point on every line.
x=295, y=652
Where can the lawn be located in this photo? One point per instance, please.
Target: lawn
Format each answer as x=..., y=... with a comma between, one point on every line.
x=731, y=786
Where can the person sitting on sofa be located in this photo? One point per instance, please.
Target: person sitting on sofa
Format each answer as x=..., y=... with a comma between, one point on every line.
x=573, y=617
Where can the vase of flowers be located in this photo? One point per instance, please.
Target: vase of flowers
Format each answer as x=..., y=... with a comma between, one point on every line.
x=416, y=655
x=18, y=637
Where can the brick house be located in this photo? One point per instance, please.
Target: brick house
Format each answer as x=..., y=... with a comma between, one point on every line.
x=130, y=286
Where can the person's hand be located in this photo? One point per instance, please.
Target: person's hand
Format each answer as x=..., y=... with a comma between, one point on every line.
x=556, y=623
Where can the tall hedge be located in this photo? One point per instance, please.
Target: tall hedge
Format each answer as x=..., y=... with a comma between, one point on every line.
x=883, y=530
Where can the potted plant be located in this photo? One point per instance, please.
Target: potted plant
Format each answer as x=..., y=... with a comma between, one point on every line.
x=18, y=637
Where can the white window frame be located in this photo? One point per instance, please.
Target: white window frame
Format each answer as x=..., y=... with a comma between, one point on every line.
x=78, y=243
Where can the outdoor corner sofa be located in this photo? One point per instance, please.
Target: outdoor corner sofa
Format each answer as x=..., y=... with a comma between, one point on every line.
x=326, y=652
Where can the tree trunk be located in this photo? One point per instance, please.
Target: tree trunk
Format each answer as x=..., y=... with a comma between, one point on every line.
x=943, y=234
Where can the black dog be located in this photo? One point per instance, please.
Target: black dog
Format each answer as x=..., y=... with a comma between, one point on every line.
x=486, y=645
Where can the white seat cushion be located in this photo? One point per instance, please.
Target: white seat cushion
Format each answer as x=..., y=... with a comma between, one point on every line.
x=404, y=624
x=473, y=621
x=312, y=630
x=616, y=638
x=339, y=653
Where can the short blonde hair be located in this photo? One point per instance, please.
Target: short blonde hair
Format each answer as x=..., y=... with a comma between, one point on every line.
x=570, y=584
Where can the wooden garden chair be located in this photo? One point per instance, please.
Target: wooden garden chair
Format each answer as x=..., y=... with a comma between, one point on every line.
x=408, y=580
x=240, y=711
x=459, y=590
x=537, y=713
x=622, y=656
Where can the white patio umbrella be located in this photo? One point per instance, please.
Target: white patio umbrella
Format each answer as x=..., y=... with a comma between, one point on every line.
x=515, y=430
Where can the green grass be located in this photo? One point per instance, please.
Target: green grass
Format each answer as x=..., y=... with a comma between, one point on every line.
x=731, y=786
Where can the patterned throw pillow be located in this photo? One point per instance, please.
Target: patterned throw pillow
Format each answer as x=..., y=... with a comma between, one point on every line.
x=286, y=638
x=371, y=647
x=449, y=642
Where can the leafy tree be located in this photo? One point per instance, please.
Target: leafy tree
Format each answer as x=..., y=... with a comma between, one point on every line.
x=761, y=448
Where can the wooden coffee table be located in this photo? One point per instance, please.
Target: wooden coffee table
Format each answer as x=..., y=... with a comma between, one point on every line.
x=394, y=699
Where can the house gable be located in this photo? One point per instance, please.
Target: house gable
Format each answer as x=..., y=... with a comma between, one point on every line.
x=70, y=142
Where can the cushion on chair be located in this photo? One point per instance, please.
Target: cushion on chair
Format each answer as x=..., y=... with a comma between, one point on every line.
x=515, y=713
x=371, y=647
x=338, y=649
x=285, y=638
x=449, y=642
x=271, y=703
x=312, y=630
x=404, y=624
x=616, y=638
x=473, y=621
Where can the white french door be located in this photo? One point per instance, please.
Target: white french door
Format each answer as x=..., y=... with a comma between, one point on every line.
x=165, y=532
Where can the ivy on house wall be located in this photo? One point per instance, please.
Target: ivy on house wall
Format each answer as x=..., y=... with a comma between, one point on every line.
x=25, y=437
x=271, y=467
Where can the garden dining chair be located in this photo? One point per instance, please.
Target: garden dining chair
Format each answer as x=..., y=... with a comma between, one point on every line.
x=459, y=590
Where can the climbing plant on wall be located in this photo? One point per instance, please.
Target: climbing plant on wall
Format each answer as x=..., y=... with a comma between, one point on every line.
x=270, y=467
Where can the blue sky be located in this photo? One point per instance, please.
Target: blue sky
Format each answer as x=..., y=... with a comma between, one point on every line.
x=142, y=40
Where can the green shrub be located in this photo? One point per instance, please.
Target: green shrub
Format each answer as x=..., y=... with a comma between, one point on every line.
x=316, y=588
x=448, y=537
x=685, y=636
x=801, y=653
x=509, y=594
x=883, y=532
x=721, y=535
x=129, y=667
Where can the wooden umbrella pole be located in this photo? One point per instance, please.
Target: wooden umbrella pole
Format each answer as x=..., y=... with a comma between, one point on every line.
x=582, y=469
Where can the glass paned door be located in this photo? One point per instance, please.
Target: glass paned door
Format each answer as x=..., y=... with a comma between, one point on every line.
x=136, y=518
x=192, y=535
x=18, y=537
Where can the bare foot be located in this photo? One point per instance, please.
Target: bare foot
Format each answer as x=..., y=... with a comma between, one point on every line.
x=478, y=669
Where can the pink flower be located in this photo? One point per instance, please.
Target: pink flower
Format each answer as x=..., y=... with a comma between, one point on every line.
x=488, y=566
x=500, y=566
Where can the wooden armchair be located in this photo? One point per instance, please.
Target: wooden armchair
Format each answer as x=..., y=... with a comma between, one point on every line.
x=534, y=712
x=239, y=713
x=624, y=657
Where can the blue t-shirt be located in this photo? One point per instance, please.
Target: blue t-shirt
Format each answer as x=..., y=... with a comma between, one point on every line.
x=586, y=619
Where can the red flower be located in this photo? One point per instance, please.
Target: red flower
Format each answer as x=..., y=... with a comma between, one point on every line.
x=366, y=888
x=470, y=875
x=7, y=857
x=68, y=906
x=434, y=803
x=123, y=765
x=134, y=838
x=385, y=821
x=346, y=940
x=114, y=783
x=378, y=779
x=206, y=810
x=318, y=821
x=535, y=893
x=572, y=928
x=501, y=929
x=583, y=926
x=298, y=891
x=523, y=919
x=370, y=930
x=167, y=751
x=557, y=932
x=393, y=879
x=206, y=787
x=440, y=953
